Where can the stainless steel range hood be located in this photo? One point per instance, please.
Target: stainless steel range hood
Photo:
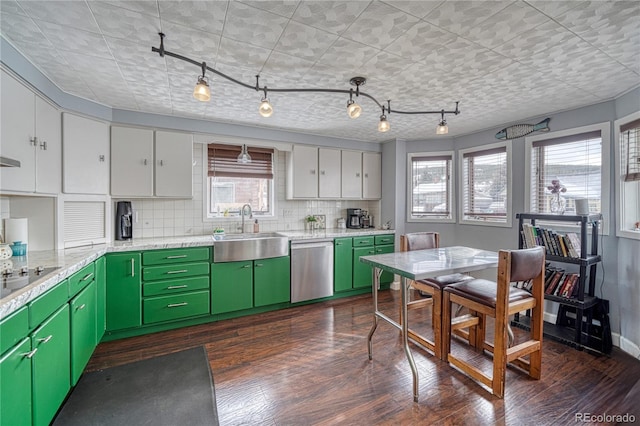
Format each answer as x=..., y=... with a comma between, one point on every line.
x=8, y=162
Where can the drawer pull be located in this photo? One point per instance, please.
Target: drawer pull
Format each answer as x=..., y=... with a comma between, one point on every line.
x=182, y=256
x=181, y=271
x=173, y=287
x=81, y=307
x=45, y=339
x=30, y=354
x=176, y=305
x=372, y=251
x=246, y=266
x=86, y=277
x=259, y=265
x=133, y=267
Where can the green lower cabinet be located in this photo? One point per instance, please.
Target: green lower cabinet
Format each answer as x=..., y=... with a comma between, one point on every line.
x=124, y=291
x=101, y=294
x=231, y=286
x=272, y=281
x=50, y=366
x=15, y=385
x=386, y=277
x=176, y=306
x=362, y=275
x=342, y=264
x=83, y=330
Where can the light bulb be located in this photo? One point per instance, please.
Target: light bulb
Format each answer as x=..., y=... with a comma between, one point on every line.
x=201, y=92
x=265, y=109
x=353, y=109
x=383, y=124
x=244, y=156
x=442, y=128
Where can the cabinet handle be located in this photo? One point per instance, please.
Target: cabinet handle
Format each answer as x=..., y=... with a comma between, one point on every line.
x=173, y=287
x=81, y=307
x=366, y=175
x=86, y=277
x=43, y=145
x=247, y=266
x=45, y=339
x=101, y=158
x=313, y=171
x=322, y=172
x=372, y=252
x=338, y=244
x=30, y=354
x=259, y=265
x=33, y=141
x=161, y=162
x=177, y=257
x=357, y=174
x=133, y=267
x=144, y=161
x=175, y=305
x=181, y=271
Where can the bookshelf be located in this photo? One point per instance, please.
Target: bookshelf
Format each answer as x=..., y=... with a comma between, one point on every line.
x=564, y=248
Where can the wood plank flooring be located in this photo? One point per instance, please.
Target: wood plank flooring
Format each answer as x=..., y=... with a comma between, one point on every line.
x=309, y=365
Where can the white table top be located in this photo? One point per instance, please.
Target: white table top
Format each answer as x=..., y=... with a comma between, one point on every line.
x=421, y=264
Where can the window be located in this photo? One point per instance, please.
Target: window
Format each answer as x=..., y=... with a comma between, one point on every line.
x=628, y=174
x=232, y=185
x=430, y=186
x=486, y=184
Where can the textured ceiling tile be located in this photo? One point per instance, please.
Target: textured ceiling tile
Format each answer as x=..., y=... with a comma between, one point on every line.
x=126, y=24
x=148, y=76
x=147, y=7
x=462, y=58
x=75, y=40
x=536, y=40
x=419, y=9
x=328, y=76
x=379, y=25
x=200, y=15
x=304, y=41
x=347, y=54
x=11, y=6
x=69, y=13
x=283, y=8
x=553, y=8
x=133, y=53
x=232, y=52
x=461, y=16
x=332, y=16
x=593, y=15
x=93, y=68
x=279, y=64
x=21, y=30
x=253, y=26
x=177, y=66
x=420, y=40
x=194, y=44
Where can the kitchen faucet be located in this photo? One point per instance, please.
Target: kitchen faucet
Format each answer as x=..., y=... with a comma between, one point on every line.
x=242, y=214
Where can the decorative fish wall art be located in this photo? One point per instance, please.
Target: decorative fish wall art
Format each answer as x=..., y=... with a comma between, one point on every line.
x=519, y=130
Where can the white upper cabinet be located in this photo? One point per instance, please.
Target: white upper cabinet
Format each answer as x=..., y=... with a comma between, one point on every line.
x=174, y=164
x=329, y=173
x=85, y=156
x=302, y=172
x=371, y=175
x=351, y=174
x=30, y=133
x=131, y=162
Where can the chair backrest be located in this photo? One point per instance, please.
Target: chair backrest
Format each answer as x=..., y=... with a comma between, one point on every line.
x=419, y=241
x=526, y=264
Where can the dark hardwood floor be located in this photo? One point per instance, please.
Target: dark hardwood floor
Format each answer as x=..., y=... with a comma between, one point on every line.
x=309, y=365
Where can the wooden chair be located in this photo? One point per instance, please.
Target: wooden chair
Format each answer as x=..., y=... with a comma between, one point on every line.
x=499, y=300
x=431, y=286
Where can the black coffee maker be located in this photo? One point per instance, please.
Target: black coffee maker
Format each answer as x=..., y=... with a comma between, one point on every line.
x=124, y=220
x=354, y=218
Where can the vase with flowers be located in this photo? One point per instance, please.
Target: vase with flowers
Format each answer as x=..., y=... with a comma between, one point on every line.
x=558, y=202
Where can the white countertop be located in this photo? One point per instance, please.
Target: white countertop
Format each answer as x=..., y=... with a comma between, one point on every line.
x=70, y=261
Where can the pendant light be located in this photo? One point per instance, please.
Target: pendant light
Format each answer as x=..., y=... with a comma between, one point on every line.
x=202, y=92
x=353, y=109
x=442, y=128
x=383, y=124
x=244, y=157
x=265, y=109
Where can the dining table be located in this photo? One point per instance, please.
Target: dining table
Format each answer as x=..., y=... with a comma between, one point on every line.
x=418, y=265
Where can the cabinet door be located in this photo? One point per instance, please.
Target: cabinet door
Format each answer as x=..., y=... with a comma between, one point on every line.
x=386, y=277
x=173, y=164
x=371, y=175
x=85, y=155
x=124, y=288
x=351, y=174
x=303, y=176
x=343, y=265
x=231, y=286
x=362, y=275
x=17, y=128
x=49, y=148
x=101, y=295
x=329, y=177
x=131, y=162
x=51, y=365
x=15, y=385
x=272, y=280
x=83, y=330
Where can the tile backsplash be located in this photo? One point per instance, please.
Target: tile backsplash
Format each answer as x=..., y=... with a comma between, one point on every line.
x=171, y=217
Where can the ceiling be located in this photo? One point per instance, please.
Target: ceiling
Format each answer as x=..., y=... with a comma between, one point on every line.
x=504, y=61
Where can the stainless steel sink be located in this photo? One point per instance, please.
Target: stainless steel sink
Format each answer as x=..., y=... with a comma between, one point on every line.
x=262, y=245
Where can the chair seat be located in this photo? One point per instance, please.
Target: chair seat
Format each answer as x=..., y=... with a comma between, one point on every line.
x=445, y=280
x=485, y=292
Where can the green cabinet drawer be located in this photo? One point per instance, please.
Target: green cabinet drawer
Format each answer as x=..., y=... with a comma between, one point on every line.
x=170, y=256
x=363, y=241
x=384, y=239
x=80, y=279
x=48, y=303
x=14, y=328
x=167, y=308
x=159, y=288
x=151, y=273
x=15, y=385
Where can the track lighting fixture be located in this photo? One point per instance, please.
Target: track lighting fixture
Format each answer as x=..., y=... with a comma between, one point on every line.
x=203, y=93
x=442, y=128
x=244, y=156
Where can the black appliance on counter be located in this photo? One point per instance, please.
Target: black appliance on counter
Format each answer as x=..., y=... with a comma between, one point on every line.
x=354, y=218
x=124, y=220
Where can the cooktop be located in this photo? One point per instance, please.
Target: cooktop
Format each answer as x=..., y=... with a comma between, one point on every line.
x=15, y=279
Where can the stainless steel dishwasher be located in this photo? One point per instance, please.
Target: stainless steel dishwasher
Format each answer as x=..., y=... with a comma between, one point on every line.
x=311, y=269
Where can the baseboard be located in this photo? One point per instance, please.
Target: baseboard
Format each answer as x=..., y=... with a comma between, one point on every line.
x=626, y=345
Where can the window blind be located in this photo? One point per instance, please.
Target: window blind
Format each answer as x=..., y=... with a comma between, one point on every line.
x=431, y=186
x=630, y=149
x=84, y=223
x=223, y=162
x=485, y=184
x=575, y=162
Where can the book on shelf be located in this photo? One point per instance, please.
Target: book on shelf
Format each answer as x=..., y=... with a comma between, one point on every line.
x=553, y=282
x=554, y=243
x=575, y=243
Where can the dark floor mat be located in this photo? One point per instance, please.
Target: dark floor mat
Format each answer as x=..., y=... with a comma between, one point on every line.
x=167, y=390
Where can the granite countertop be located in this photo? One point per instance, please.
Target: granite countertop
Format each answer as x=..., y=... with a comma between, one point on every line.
x=69, y=261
